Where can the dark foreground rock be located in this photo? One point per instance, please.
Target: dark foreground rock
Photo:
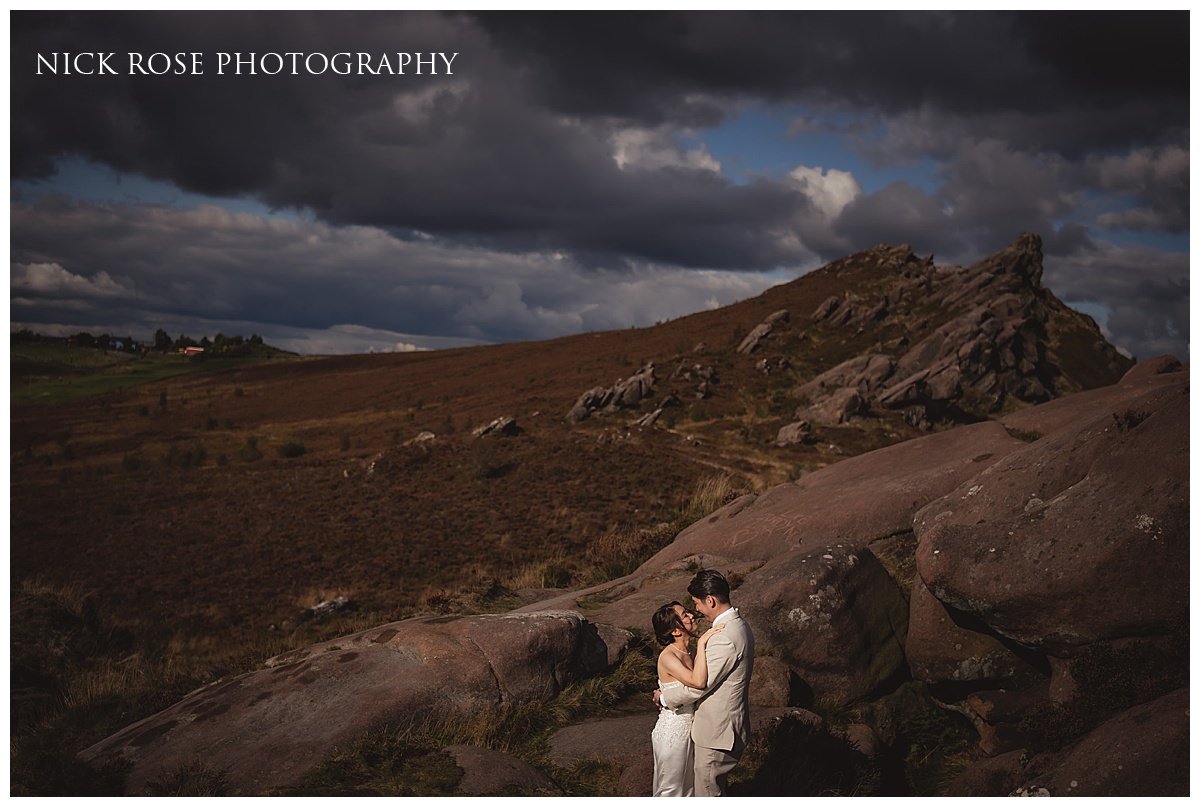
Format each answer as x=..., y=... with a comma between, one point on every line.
x=266, y=729
x=1141, y=752
x=1076, y=538
x=489, y=773
x=625, y=741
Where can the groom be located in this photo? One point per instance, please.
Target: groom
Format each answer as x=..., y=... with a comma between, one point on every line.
x=721, y=726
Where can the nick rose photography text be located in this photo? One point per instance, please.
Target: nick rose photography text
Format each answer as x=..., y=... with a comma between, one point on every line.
x=289, y=63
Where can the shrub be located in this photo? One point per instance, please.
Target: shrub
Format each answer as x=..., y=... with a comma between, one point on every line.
x=192, y=457
x=292, y=449
x=249, y=451
x=711, y=494
x=619, y=551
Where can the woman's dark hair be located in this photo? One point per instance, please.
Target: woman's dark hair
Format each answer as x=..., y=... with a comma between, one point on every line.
x=709, y=582
x=665, y=620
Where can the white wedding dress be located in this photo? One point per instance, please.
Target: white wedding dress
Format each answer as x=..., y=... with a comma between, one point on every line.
x=674, y=752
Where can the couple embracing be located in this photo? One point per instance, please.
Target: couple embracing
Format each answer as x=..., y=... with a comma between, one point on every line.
x=704, y=719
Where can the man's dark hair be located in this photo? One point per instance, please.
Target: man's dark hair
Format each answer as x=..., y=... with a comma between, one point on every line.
x=709, y=582
x=665, y=620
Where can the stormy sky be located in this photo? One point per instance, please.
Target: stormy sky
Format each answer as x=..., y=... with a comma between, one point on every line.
x=584, y=171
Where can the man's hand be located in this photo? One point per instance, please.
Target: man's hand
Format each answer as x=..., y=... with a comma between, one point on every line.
x=657, y=693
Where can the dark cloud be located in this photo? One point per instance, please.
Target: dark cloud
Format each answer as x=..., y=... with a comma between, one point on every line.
x=1146, y=290
x=471, y=157
x=559, y=161
x=83, y=263
x=1059, y=81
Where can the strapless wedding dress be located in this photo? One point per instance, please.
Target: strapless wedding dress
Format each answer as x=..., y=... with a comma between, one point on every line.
x=674, y=752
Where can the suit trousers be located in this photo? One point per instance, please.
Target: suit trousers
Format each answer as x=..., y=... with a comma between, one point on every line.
x=712, y=769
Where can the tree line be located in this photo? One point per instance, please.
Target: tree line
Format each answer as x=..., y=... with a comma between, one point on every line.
x=220, y=344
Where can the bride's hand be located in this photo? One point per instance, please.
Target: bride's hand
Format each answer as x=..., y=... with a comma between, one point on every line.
x=703, y=640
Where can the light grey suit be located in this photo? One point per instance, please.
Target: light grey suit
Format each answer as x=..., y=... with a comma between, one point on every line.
x=721, y=727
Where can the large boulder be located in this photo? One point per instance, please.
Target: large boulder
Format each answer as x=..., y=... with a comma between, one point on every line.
x=840, y=407
x=864, y=373
x=834, y=615
x=853, y=502
x=267, y=728
x=1140, y=752
x=944, y=646
x=1078, y=537
x=632, y=390
x=624, y=393
x=761, y=331
x=794, y=434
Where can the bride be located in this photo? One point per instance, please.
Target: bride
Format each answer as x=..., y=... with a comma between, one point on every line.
x=672, y=735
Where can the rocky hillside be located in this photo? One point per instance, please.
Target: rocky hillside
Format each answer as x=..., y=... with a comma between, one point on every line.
x=1030, y=571
x=840, y=404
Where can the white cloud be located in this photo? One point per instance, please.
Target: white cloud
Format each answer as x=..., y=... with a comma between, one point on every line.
x=828, y=189
x=51, y=278
x=655, y=149
x=419, y=107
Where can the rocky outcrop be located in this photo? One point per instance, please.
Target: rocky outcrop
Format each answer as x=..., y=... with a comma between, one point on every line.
x=755, y=338
x=1054, y=545
x=649, y=419
x=794, y=434
x=881, y=566
x=941, y=650
x=773, y=683
x=632, y=390
x=590, y=401
x=852, y=502
x=500, y=426
x=267, y=728
x=624, y=393
x=1140, y=752
x=1001, y=342
x=772, y=364
x=841, y=407
x=835, y=615
x=864, y=374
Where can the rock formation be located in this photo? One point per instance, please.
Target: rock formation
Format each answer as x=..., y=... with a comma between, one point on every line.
x=1002, y=343
x=502, y=425
x=624, y=393
x=1036, y=547
x=1001, y=564
x=761, y=331
x=267, y=728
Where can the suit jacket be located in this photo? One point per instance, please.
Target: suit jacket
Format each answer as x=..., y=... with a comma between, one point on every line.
x=722, y=718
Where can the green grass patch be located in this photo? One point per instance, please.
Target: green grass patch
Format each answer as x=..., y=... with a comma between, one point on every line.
x=53, y=374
